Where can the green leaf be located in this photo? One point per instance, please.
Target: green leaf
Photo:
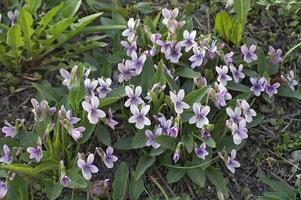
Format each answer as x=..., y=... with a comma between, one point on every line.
x=33, y=6
x=18, y=189
x=71, y=7
x=196, y=96
x=136, y=188
x=120, y=181
x=186, y=72
x=77, y=180
x=263, y=63
x=146, y=81
x=174, y=175
x=14, y=40
x=53, y=190
x=48, y=92
x=25, y=21
x=216, y=178
x=236, y=33
x=88, y=131
x=123, y=143
x=159, y=76
x=280, y=187
x=285, y=91
x=166, y=141
x=231, y=85
x=113, y=96
x=18, y=168
x=197, y=176
x=223, y=24
x=77, y=92
x=45, y=166
x=256, y=121
x=144, y=163
x=242, y=7
x=139, y=140
x=188, y=142
x=103, y=135
x=143, y=7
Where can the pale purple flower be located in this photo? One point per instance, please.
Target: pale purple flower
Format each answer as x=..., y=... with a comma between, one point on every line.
x=9, y=130
x=291, y=80
x=189, y=38
x=130, y=32
x=198, y=57
x=13, y=16
x=68, y=77
x=137, y=62
x=271, y=89
x=221, y=96
x=235, y=116
x=231, y=162
x=110, y=121
x=223, y=78
x=154, y=37
x=109, y=158
x=249, y=53
x=3, y=189
x=164, y=124
x=201, y=151
x=176, y=157
x=66, y=118
x=134, y=98
x=173, y=131
x=200, y=117
x=237, y=73
x=94, y=114
x=35, y=153
x=212, y=50
x=228, y=58
x=90, y=86
x=170, y=19
x=175, y=53
x=177, y=100
x=205, y=134
x=257, y=85
x=77, y=133
x=239, y=131
x=125, y=70
x=87, y=167
x=40, y=110
x=275, y=55
x=65, y=180
x=139, y=116
x=150, y=53
x=150, y=138
x=165, y=46
x=130, y=47
x=7, y=157
x=248, y=112
x=104, y=87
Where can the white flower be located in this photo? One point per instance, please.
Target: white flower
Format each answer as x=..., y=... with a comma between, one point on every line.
x=200, y=115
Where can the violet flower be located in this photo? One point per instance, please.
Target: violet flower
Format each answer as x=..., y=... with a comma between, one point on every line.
x=134, y=98
x=228, y=58
x=189, y=38
x=249, y=53
x=90, y=86
x=239, y=131
x=137, y=63
x=235, y=116
x=77, y=133
x=65, y=180
x=130, y=32
x=291, y=80
x=205, y=134
x=175, y=53
x=200, y=117
x=154, y=37
x=176, y=157
x=257, y=85
x=231, y=162
x=110, y=121
x=164, y=124
x=94, y=114
x=237, y=73
x=198, y=57
x=150, y=138
x=3, y=189
x=177, y=100
x=125, y=70
x=13, y=16
x=275, y=55
x=221, y=96
x=130, y=47
x=222, y=75
x=87, y=167
x=104, y=87
x=173, y=131
x=212, y=50
x=7, y=157
x=248, y=112
x=201, y=151
x=139, y=116
x=170, y=19
x=68, y=77
x=271, y=89
x=40, y=110
x=165, y=46
x=35, y=153
x=9, y=130
x=109, y=158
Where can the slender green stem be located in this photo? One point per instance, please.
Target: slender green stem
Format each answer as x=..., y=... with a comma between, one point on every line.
x=160, y=187
x=192, y=167
x=289, y=52
x=97, y=29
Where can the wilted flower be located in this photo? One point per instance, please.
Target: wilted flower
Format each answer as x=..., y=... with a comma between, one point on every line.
x=9, y=130
x=40, y=110
x=77, y=133
x=201, y=151
x=237, y=73
x=69, y=78
x=94, y=114
x=130, y=32
x=248, y=112
x=175, y=53
x=109, y=158
x=87, y=167
x=239, y=131
x=137, y=62
x=198, y=57
x=257, y=85
x=275, y=55
x=178, y=102
x=90, y=86
x=228, y=58
x=35, y=153
x=13, y=16
x=271, y=89
x=189, y=42
x=125, y=70
x=130, y=47
x=222, y=75
x=133, y=97
x=200, y=117
x=231, y=162
x=104, y=87
x=65, y=180
x=249, y=53
x=291, y=80
x=139, y=116
x=3, y=189
x=150, y=138
x=110, y=121
x=7, y=158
